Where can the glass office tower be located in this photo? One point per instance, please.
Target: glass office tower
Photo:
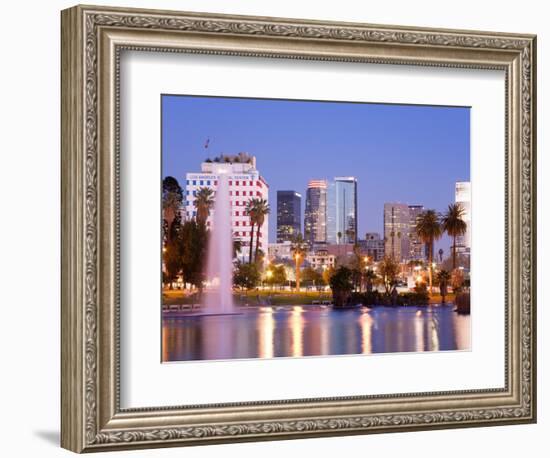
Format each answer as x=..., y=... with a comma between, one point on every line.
x=342, y=210
x=289, y=214
x=315, y=212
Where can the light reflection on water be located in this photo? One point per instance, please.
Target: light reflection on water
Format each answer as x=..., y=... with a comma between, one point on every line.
x=296, y=331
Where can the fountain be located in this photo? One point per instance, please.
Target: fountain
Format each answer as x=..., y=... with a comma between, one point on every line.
x=219, y=273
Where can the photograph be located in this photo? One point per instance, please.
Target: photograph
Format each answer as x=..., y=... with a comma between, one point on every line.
x=297, y=228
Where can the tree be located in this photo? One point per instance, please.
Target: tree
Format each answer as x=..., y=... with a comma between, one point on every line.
x=172, y=199
x=250, y=209
x=172, y=259
x=429, y=230
x=298, y=249
x=246, y=276
x=204, y=201
x=276, y=275
x=370, y=277
x=194, y=240
x=443, y=277
x=327, y=274
x=389, y=271
x=358, y=265
x=279, y=275
x=310, y=275
x=261, y=211
x=454, y=225
x=341, y=285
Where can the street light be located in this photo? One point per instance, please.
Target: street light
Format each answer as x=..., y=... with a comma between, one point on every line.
x=297, y=257
x=269, y=274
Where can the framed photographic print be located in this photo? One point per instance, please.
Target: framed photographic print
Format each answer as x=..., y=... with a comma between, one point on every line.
x=277, y=228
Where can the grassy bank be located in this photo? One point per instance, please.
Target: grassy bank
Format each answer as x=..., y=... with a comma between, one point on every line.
x=178, y=297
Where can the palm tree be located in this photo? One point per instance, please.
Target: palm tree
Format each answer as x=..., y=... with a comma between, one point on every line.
x=350, y=234
x=298, y=249
x=251, y=206
x=262, y=210
x=454, y=225
x=429, y=230
x=204, y=201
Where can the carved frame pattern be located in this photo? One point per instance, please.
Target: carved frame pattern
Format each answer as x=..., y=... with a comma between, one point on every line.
x=82, y=403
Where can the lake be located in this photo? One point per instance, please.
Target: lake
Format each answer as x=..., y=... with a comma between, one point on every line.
x=296, y=331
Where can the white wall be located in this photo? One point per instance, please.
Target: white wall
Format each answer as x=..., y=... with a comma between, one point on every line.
x=29, y=229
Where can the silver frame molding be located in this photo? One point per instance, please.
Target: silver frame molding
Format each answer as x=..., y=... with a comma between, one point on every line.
x=92, y=40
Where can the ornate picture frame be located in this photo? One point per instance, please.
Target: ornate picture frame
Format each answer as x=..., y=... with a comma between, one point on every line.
x=92, y=40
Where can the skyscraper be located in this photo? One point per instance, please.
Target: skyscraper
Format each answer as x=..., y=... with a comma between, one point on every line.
x=342, y=210
x=289, y=215
x=315, y=216
x=396, y=231
x=463, y=197
x=417, y=249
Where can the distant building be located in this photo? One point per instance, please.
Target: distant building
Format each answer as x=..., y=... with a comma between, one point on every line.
x=315, y=216
x=396, y=231
x=245, y=183
x=341, y=225
x=289, y=214
x=417, y=248
x=321, y=259
x=341, y=252
x=372, y=246
x=464, y=198
x=279, y=251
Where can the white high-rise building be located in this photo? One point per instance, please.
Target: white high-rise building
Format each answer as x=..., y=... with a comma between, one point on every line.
x=245, y=183
x=463, y=196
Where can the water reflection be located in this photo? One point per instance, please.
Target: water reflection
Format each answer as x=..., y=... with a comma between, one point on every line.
x=313, y=331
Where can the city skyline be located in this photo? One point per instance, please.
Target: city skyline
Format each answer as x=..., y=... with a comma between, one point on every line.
x=323, y=140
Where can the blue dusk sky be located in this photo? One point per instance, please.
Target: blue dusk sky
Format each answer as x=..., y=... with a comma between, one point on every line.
x=399, y=153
